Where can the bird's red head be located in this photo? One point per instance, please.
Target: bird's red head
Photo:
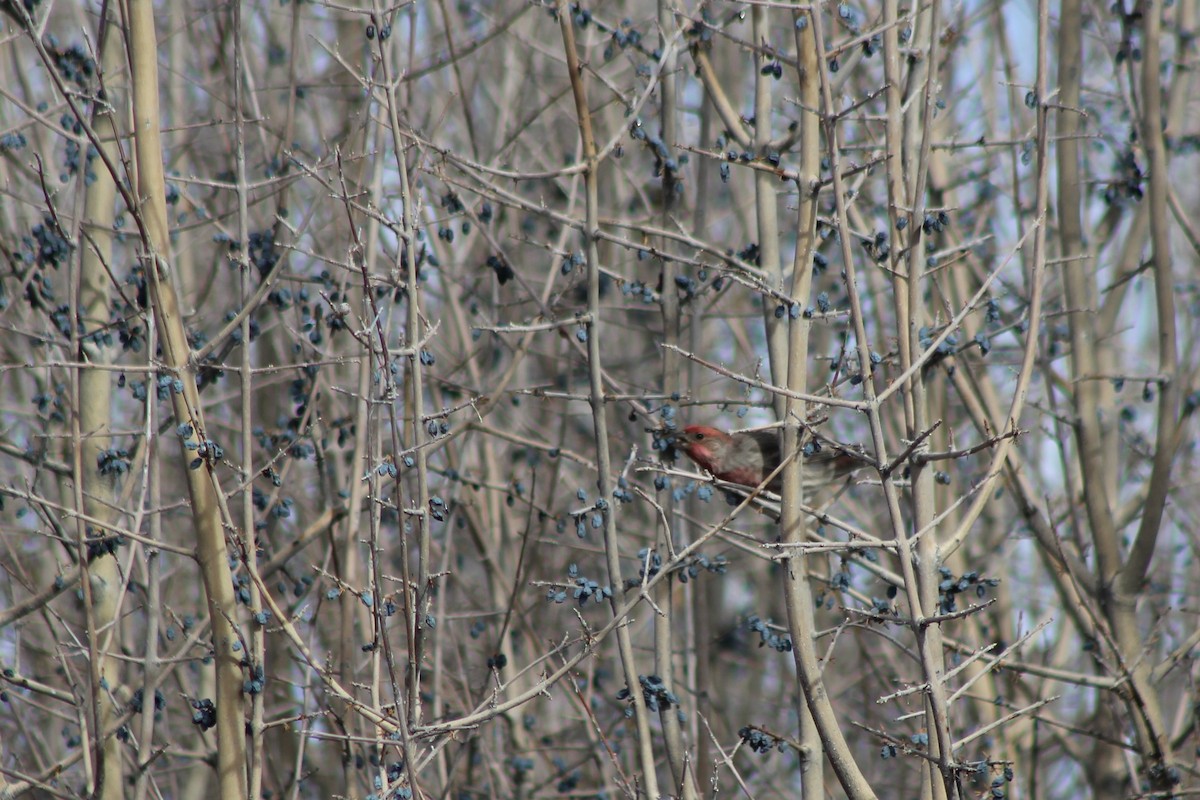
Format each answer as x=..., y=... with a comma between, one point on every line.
x=702, y=444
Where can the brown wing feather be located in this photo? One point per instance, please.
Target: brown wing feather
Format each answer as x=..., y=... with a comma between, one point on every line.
x=766, y=443
x=830, y=463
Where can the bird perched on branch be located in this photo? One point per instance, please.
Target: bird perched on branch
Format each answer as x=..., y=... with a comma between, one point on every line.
x=747, y=458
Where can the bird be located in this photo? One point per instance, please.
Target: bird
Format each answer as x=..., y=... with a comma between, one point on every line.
x=748, y=457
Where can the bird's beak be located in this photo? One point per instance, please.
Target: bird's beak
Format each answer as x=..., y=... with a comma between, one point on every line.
x=664, y=434
x=670, y=437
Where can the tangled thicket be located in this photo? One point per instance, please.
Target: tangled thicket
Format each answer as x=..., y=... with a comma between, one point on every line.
x=342, y=351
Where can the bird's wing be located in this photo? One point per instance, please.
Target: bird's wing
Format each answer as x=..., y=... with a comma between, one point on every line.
x=767, y=444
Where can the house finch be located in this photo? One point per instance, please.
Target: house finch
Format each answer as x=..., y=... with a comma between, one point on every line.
x=748, y=458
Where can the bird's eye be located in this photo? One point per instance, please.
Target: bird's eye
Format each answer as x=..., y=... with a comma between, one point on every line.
x=699, y=436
